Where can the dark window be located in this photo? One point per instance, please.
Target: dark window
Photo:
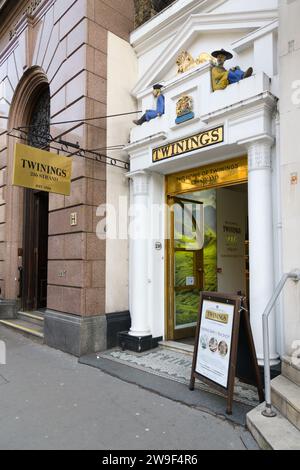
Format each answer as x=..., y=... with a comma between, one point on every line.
x=40, y=121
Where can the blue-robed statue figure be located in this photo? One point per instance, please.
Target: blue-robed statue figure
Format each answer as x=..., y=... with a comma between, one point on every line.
x=153, y=113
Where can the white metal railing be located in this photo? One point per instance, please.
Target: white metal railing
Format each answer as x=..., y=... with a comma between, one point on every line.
x=295, y=276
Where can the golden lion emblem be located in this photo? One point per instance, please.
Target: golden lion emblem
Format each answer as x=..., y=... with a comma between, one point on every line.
x=185, y=61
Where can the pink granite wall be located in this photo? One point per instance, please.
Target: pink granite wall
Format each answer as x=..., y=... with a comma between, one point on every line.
x=70, y=46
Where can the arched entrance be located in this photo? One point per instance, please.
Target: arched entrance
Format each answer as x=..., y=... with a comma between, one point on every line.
x=27, y=211
x=35, y=215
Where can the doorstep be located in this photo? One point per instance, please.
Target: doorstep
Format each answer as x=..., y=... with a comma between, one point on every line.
x=176, y=346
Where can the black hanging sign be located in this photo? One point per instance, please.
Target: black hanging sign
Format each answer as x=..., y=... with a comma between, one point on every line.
x=222, y=319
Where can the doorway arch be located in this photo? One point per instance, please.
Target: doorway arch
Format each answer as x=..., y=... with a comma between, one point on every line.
x=24, y=207
x=35, y=213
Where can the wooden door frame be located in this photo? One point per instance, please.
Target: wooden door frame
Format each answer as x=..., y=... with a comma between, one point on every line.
x=172, y=333
x=169, y=244
x=32, y=211
x=30, y=85
x=31, y=244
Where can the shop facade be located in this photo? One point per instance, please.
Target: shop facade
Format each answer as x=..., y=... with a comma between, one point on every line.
x=220, y=159
x=60, y=64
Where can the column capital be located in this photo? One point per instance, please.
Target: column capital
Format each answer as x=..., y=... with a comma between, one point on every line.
x=259, y=152
x=140, y=182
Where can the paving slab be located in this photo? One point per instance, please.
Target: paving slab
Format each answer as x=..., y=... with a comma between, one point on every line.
x=50, y=401
x=204, y=401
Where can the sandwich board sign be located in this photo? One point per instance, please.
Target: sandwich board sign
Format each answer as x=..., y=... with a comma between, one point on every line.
x=222, y=318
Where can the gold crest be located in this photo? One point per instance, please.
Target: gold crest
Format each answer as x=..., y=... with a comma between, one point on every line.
x=184, y=105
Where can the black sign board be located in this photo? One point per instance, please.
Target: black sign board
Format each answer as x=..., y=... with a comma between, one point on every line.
x=223, y=332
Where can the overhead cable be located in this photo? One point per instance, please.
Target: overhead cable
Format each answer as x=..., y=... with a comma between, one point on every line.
x=83, y=120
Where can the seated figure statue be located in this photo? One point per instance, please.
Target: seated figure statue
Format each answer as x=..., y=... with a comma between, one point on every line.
x=221, y=77
x=153, y=113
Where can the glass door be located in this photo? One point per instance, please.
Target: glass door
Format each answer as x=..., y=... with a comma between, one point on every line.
x=186, y=269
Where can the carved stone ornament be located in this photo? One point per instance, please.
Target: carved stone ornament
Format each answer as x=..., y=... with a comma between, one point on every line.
x=28, y=12
x=185, y=61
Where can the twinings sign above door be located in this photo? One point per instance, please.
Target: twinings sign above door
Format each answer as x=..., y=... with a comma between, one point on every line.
x=41, y=170
x=190, y=144
x=230, y=172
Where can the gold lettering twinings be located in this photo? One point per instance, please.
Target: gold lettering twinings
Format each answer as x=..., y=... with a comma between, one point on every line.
x=41, y=170
x=216, y=316
x=190, y=144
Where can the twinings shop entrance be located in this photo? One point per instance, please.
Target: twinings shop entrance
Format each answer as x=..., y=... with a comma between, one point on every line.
x=208, y=240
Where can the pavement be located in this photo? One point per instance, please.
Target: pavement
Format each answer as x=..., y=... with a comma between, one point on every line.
x=210, y=402
x=49, y=401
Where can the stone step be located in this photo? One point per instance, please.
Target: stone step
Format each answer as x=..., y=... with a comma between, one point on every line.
x=273, y=433
x=179, y=347
x=286, y=398
x=291, y=370
x=33, y=317
x=25, y=327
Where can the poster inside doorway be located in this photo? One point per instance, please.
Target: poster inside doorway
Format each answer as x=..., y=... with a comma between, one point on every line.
x=215, y=341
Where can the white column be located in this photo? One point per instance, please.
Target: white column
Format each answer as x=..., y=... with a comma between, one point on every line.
x=138, y=252
x=261, y=241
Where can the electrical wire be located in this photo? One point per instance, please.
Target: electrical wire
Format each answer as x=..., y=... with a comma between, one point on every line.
x=82, y=120
x=17, y=129
x=80, y=152
x=65, y=145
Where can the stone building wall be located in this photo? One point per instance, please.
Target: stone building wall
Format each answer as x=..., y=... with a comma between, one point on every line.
x=289, y=63
x=67, y=41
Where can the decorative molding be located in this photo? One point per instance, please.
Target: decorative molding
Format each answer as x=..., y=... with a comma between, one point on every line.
x=29, y=11
x=259, y=153
x=263, y=102
x=175, y=17
x=145, y=142
x=140, y=183
x=246, y=41
x=196, y=23
x=177, y=80
x=30, y=16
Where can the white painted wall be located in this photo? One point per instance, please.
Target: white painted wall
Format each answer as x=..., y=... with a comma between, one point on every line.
x=121, y=77
x=289, y=48
x=243, y=5
x=151, y=55
x=156, y=266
